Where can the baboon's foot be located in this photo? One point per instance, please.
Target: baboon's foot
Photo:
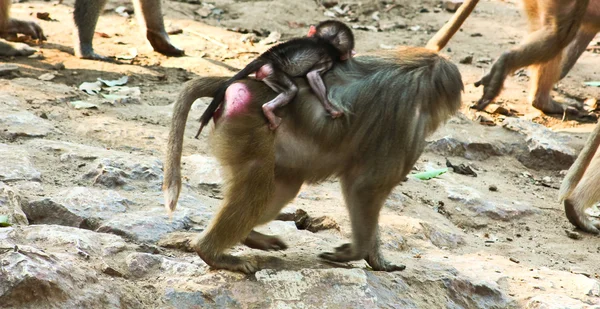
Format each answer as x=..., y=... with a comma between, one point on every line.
x=260, y=241
x=15, y=49
x=549, y=106
x=379, y=263
x=229, y=262
x=345, y=253
x=161, y=43
x=91, y=55
x=342, y=254
x=580, y=219
x=30, y=28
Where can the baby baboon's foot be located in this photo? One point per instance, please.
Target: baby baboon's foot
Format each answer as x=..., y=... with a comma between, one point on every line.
x=260, y=241
x=229, y=262
x=342, y=254
x=580, y=219
x=336, y=114
x=274, y=121
x=161, y=43
x=378, y=263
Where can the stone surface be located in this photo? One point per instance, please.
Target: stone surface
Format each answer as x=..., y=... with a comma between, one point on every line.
x=78, y=207
x=477, y=203
x=16, y=164
x=146, y=225
x=19, y=123
x=123, y=172
x=546, y=149
x=34, y=276
x=11, y=205
x=202, y=170
x=477, y=142
x=553, y=301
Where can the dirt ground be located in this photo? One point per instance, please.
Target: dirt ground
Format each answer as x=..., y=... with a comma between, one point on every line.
x=537, y=241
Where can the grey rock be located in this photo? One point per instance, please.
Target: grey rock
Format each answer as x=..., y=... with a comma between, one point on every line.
x=79, y=207
x=470, y=293
x=16, y=164
x=15, y=124
x=546, y=149
x=11, y=206
x=203, y=172
x=144, y=264
x=34, y=89
x=33, y=278
x=47, y=271
x=498, y=210
x=479, y=143
x=120, y=172
x=146, y=226
x=111, y=168
x=556, y=301
x=183, y=299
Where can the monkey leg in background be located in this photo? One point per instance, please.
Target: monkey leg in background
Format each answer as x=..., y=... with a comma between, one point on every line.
x=555, y=23
x=11, y=27
x=149, y=13
x=580, y=189
x=371, y=152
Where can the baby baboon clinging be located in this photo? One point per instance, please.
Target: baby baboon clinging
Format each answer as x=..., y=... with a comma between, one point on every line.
x=328, y=43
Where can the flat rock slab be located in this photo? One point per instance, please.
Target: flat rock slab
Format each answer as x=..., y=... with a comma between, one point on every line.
x=16, y=164
x=35, y=276
x=146, y=226
x=476, y=202
x=110, y=168
x=547, y=149
x=77, y=207
x=11, y=206
x=34, y=89
x=15, y=124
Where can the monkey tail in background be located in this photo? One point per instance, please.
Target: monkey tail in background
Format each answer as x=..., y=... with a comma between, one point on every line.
x=219, y=94
x=441, y=38
x=192, y=90
x=580, y=165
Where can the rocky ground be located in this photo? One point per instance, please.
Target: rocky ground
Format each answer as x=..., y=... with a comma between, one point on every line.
x=80, y=175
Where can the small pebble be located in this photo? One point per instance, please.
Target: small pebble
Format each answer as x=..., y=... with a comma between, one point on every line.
x=493, y=188
x=573, y=234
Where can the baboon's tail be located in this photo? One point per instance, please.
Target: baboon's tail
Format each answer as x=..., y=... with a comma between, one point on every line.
x=580, y=165
x=441, y=38
x=192, y=90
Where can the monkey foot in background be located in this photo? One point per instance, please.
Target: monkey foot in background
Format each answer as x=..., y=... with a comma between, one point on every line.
x=345, y=253
x=15, y=49
x=161, y=43
x=30, y=28
x=579, y=218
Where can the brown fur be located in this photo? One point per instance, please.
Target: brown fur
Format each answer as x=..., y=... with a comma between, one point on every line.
x=559, y=29
x=580, y=188
x=370, y=152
